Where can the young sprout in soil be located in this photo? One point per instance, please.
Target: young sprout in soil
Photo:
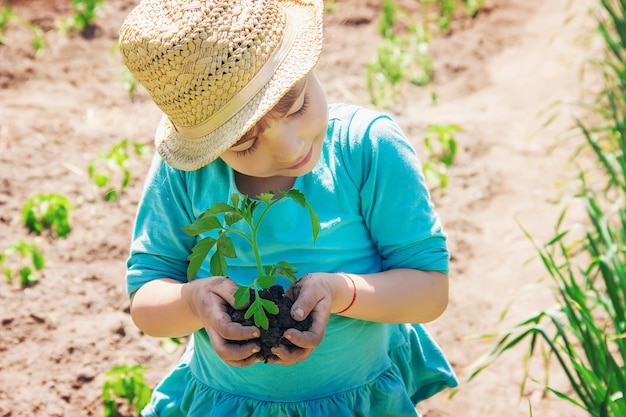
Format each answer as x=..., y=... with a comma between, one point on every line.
x=442, y=147
x=25, y=251
x=48, y=211
x=82, y=19
x=243, y=209
x=8, y=15
x=125, y=383
x=108, y=167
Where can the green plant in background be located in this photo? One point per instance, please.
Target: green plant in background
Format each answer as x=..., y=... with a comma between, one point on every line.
x=128, y=82
x=109, y=171
x=8, y=15
x=242, y=208
x=171, y=344
x=585, y=332
x=399, y=57
x=445, y=10
x=126, y=78
x=48, y=211
x=26, y=252
x=442, y=147
x=125, y=383
x=84, y=14
x=404, y=52
x=330, y=6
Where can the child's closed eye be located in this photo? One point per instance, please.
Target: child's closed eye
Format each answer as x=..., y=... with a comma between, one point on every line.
x=254, y=144
x=303, y=108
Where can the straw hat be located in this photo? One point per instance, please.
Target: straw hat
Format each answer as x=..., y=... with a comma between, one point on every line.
x=215, y=67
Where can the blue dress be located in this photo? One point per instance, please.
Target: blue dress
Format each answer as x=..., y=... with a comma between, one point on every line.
x=376, y=214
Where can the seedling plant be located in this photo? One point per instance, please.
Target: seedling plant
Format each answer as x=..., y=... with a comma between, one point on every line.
x=25, y=270
x=403, y=54
x=110, y=172
x=442, y=147
x=126, y=78
x=82, y=19
x=7, y=16
x=48, y=211
x=445, y=10
x=125, y=384
x=221, y=218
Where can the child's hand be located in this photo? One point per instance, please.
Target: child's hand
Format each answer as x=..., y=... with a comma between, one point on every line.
x=312, y=295
x=227, y=337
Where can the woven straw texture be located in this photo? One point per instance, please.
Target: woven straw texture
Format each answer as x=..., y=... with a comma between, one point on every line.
x=194, y=57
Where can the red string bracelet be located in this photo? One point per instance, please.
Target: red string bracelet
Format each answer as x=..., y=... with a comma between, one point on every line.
x=353, y=293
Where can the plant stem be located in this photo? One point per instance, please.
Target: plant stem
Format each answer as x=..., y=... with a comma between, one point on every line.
x=255, y=248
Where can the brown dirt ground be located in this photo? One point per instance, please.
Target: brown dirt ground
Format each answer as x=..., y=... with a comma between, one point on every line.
x=500, y=77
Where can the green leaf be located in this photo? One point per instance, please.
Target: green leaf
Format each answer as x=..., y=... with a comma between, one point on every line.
x=219, y=208
x=242, y=296
x=218, y=264
x=126, y=179
x=225, y=246
x=265, y=281
x=269, y=269
x=252, y=307
x=127, y=383
x=256, y=310
x=26, y=276
x=101, y=180
x=260, y=320
x=315, y=222
x=248, y=207
x=110, y=195
x=198, y=253
x=270, y=306
x=141, y=149
x=39, y=262
x=232, y=218
x=30, y=220
x=202, y=225
x=287, y=270
x=171, y=344
x=297, y=196
x=62, y=228
x=266, y=197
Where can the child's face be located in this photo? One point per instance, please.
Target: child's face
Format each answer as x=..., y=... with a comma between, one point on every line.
x=288, y=140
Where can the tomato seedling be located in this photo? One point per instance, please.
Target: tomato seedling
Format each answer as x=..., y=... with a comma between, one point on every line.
x=48, y=211
x=109, y=171
x=221, y=218
x=25, y=251
x=125, y=382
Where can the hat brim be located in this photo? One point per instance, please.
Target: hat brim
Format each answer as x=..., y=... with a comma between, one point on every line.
x=189, y=154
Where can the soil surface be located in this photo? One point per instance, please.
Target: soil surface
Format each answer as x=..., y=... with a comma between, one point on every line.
x=507, y=78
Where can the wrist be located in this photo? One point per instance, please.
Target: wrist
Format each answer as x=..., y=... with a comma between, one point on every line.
x=189, y=292
x=346, y=295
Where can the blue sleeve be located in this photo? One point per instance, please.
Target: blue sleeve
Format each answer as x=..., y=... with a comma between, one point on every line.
x=159, y=247
x=395, y=201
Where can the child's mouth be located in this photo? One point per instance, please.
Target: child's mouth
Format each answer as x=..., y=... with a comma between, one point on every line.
x=303, y=161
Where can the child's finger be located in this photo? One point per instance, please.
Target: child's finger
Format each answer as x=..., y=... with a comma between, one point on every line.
x=238, y=332
x=233, y=353
x=312, y=337
x=289, y=356
x=304, y=296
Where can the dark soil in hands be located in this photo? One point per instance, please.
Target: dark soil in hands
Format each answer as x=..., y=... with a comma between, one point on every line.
x=278, y=323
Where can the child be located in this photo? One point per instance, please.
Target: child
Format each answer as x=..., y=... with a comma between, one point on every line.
x=244, y=113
